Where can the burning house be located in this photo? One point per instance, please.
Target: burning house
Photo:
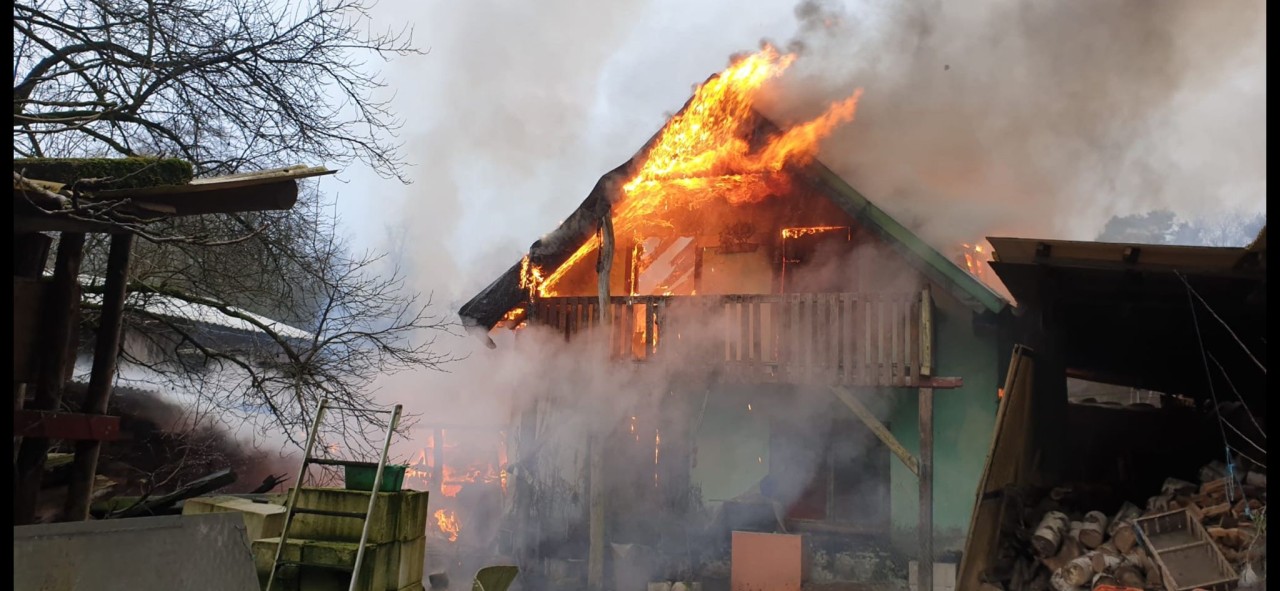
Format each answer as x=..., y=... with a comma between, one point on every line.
x=789, y=336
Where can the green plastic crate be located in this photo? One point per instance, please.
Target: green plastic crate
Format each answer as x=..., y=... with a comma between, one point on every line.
x=361, y=477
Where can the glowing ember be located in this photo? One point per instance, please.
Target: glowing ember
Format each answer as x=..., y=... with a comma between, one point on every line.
x=447, y=521
x=704, y=153
x=798, y=232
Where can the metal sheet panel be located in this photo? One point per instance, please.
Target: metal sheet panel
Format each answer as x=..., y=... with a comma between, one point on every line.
x=195, y=553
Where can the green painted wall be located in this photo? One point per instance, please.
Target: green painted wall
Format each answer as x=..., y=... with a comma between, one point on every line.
x=732, y=444
x=963, y=420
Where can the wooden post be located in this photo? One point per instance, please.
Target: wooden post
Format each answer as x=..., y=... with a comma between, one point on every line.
x=30, y=253
x=925, y=572
x=595, y=449
x=886, y=437
x=105, y=352
x=62, y=329
x=925, y=562
x=437, y=459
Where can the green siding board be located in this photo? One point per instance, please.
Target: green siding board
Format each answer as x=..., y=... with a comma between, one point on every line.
x=963, y=422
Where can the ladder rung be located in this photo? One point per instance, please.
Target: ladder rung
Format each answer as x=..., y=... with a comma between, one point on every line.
x=355, y=409
x=329, y=462
x=326, y=512
x=312, y=565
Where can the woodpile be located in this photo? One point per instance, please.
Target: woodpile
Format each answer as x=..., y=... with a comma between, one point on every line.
x=1053, y=541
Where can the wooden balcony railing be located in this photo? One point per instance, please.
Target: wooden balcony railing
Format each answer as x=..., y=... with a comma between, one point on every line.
x=848, y=339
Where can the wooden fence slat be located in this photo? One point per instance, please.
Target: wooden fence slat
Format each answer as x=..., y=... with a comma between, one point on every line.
x=883, y=370
x=867, y=347
x=850, y=339
x=895, y=352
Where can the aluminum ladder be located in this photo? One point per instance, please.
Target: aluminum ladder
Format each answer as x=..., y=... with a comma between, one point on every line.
x=307, y=460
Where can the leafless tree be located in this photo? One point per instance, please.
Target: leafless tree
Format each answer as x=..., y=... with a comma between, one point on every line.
x=235, y=85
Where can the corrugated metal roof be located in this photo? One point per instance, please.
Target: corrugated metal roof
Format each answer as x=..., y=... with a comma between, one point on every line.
x=222, y=182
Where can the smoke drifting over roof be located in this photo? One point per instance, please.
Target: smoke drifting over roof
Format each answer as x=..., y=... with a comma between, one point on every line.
x=1040, y=119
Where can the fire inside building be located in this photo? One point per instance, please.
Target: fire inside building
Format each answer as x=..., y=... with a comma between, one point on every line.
x=803, y=333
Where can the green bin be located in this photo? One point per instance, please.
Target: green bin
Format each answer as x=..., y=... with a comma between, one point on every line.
x=360, y=477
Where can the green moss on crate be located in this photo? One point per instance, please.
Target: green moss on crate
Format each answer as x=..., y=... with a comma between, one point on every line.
x=124, y=173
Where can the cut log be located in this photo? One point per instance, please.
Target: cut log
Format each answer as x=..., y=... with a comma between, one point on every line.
x=1128, y=575
x=1103, y=581
x=1124, y=537
x=1049, y=534
x=1216, y=510
x=1093, y=530
x=1138, y=558
x=1058, y=583
x=1213, y=486
x=1105, y=563
x=1258, y=479
x=1128, y=511
x=1233, y=537
x=1078, y=572
x=1070, y=550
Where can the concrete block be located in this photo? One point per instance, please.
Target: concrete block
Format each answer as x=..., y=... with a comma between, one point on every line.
x=383, y=520
x=414, y=515
x=261, y=520
x=373, y=574
x=408, y=563
x=945, y=576
x=767, y=562
x=202, y=505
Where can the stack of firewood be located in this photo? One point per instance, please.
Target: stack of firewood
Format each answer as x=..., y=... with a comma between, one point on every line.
x=1067, y=549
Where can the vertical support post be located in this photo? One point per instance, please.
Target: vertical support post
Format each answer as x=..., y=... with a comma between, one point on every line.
x=595, y=470
x=924, y=570
x=437, y=460
x=30, y=253
x=106, y=350
x=61, y=323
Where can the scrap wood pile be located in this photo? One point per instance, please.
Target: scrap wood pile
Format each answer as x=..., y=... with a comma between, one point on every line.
x=1057, y=541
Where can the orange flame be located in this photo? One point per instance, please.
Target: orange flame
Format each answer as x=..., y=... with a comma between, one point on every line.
x=974, y=260
x=798, y=232
x=447, y=521
x=530, y=276
x=704, y=153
